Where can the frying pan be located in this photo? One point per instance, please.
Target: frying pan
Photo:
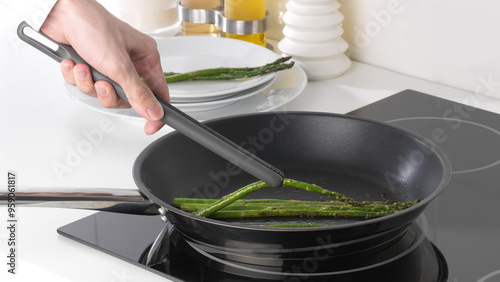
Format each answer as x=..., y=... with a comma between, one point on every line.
x=361, y=158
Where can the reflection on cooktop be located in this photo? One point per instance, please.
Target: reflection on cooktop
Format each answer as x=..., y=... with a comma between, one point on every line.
x=408, y=257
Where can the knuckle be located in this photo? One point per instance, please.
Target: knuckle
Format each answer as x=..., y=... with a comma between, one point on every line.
x=109, y=102
x=152, y=42
x=141, y=95
x=86, y=88
x=69, y=79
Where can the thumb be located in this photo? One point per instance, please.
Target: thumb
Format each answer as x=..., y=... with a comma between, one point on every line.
x=142, y=99
x=155, y=80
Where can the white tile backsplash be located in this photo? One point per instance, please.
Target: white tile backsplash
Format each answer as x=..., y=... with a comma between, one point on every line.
x=452, y=42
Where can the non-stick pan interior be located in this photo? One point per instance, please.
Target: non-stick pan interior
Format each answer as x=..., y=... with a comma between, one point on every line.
x=362, y=159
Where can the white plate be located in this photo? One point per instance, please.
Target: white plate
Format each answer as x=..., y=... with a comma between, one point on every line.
x=288, y=85
x=190, y=53
x=213, y=105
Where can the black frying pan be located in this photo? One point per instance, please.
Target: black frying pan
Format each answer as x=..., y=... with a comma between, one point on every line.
x=363, y=159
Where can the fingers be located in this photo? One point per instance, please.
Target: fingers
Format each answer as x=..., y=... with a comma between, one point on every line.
x=108, y=97
x=152, y=127
x=67, y=71
x=146, y=104
x=149, y=68
x=141, y=98
x=143, y=101
x=80, y=76
x=83, y=79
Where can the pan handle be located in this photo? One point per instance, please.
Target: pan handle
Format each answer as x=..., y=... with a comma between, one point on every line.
x=128, y=201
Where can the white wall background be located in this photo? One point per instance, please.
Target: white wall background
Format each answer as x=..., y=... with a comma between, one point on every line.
x=452, y=42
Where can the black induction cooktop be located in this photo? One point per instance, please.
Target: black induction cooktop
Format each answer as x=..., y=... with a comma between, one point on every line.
x=457, y=238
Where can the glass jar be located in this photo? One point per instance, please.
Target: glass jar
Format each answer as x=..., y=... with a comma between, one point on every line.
x=246, y=10
x=200, y=29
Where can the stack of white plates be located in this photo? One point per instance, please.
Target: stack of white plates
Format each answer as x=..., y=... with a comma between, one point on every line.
x=211, y=99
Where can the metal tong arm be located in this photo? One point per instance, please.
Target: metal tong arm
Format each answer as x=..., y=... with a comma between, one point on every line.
x=173, y=117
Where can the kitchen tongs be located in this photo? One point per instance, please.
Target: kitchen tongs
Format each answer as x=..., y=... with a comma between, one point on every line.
x=173, y=117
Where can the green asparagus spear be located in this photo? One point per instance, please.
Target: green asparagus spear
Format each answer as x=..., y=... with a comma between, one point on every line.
x=228, y=214
x=195, y=207
x=348, y=207
x=293, y=225
x=251, y=204
x=319, y=190
x=228, y=199
x=230, y=73
x=269, y=207
x=179, y=201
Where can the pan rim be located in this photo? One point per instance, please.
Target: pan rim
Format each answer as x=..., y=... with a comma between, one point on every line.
x=446, y=164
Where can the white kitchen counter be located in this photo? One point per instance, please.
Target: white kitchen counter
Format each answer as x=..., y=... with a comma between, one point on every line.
x=40, y=126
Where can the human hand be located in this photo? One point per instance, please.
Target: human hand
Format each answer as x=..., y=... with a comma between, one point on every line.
x=116, y=50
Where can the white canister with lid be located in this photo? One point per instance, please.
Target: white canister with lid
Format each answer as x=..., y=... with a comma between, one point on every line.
x=148, y=16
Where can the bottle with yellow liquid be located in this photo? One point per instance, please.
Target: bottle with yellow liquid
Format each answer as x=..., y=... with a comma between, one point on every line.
x=200, y=29
x=246, y=10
